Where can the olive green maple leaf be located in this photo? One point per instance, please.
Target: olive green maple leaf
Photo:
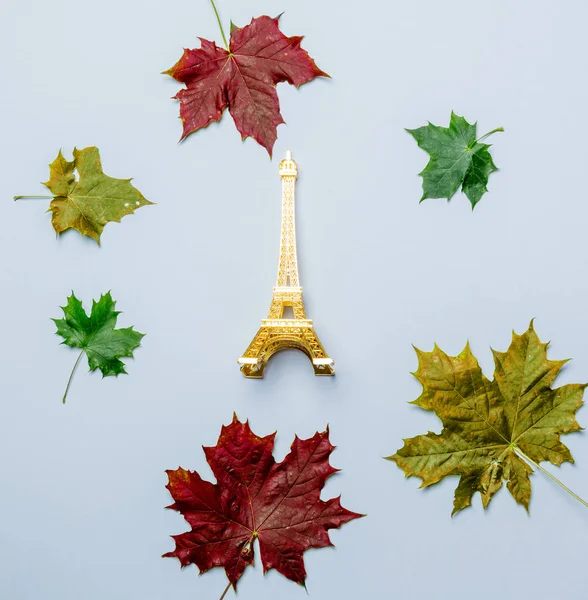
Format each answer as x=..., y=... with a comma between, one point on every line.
x=492, y=430
x=457, y=158
x=90, y=202
x=96, y=336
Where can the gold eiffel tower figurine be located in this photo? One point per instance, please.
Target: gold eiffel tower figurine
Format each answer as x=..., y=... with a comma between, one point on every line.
x=277, y=333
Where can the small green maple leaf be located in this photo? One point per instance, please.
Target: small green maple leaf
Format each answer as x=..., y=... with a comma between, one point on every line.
x=96, y=336
x=492, y=430
x=457, y=158
x=90, y=202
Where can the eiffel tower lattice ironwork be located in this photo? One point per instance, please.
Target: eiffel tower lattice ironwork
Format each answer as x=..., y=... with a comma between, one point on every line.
x=277, y=333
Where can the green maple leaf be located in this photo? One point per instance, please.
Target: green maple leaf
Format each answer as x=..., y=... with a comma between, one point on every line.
x=492, y=430
x=90, y=202
x=96, y=336
x=457, y=158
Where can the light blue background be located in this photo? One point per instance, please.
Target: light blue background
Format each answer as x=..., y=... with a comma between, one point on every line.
x=82, y=485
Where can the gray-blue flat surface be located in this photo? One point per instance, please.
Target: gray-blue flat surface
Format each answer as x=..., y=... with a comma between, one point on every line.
x=82, y=491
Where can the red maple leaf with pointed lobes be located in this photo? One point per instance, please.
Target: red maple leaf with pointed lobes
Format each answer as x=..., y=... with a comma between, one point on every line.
x=244, y=78
x=256, y=498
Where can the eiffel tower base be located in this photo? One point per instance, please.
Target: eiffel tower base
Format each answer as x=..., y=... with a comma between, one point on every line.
x=281, y=334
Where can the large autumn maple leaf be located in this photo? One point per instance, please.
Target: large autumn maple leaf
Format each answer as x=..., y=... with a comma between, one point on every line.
x=492, y=430
x=244, y=78
x=256, y=498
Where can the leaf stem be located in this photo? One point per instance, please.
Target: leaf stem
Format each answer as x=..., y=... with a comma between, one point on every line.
x=71, y=375
x=33, y=198
x=226, y=590
x=490, y=133
x=220, y=24
x=245, y=548
x=552, y=477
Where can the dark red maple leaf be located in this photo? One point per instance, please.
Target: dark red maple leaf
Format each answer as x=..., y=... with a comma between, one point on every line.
x=244, y=78
x=256, y=498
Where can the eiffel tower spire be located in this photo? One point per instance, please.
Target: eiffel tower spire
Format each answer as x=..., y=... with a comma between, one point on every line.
x=288, y=264
x=277, y=333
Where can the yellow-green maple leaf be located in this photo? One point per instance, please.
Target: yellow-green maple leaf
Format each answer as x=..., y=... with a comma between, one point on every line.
x=487, y=424
x=92, y=201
